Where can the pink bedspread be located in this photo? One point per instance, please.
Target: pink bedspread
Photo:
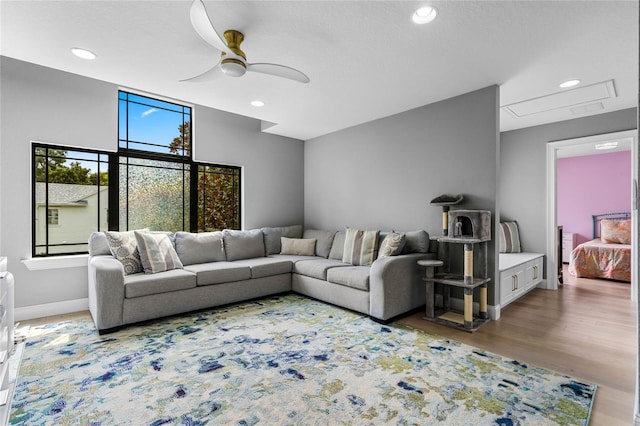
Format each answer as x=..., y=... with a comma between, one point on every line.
x=595, y=259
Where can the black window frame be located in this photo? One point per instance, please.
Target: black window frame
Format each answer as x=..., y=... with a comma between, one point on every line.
x=113, y=168
x=35, y=146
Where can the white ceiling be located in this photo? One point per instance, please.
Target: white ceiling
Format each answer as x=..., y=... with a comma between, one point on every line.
x=366, y=59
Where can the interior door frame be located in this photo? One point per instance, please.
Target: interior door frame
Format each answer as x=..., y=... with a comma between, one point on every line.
x=552, y=218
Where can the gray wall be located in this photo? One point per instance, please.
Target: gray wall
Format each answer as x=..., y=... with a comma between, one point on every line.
x=523, y=168
x=51, y=106
x=382, y=174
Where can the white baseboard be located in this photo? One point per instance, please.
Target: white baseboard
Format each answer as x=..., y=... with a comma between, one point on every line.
x=49, y=309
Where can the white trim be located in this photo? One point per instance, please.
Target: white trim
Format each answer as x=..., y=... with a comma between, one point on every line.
x=56, y=262
x=49, y=309
x=552, y=220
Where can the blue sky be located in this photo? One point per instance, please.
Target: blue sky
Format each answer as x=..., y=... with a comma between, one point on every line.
x=154, y=122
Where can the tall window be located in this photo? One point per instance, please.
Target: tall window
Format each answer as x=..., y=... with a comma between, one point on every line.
x=154, y=182
x=218, y=198
x=154, y=164
x=70, y=198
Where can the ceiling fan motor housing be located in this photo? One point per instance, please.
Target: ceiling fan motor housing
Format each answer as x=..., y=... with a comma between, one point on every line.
x=234, y=67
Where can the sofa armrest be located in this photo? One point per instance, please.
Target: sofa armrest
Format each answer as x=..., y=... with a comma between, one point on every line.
x=106, y=291
x=396, y=286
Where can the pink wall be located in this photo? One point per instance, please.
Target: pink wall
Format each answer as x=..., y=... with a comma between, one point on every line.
x=589, y=185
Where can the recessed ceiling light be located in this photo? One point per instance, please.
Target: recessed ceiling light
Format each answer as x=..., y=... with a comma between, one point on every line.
x=425, y=15
x=257, y=103
x=83, y=53
x=569, y=83
x=606, y=145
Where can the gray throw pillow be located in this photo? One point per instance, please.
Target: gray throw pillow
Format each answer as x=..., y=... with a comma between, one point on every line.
x=202, y=247
x=98, y=244
x=416, y=242
x=124, y=247
x=156, y=252
x=298, y=246
x=272, y=236
x=324, y=240
x=243, y=244
x=392, y=245
x=337, y=248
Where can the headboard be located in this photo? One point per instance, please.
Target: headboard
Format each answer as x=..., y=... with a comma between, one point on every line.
x=613, y=216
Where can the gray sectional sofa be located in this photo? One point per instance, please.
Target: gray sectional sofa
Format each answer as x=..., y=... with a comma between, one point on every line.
x=223, y=267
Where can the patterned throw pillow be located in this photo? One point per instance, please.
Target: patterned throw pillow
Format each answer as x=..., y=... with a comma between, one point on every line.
x=392, y=245
x=124, y=247
x=615, y=231
x=360, y=247
x=509, y=238
x=156, y=252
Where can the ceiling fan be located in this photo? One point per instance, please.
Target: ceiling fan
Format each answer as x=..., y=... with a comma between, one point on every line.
x=233, y=61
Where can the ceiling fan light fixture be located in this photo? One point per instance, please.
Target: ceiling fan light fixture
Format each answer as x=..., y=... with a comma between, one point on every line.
x=569, y=83
x=424, y=15
x=83, y=53
x=233, y=67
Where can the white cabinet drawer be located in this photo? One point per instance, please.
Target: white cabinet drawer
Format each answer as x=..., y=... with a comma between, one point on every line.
x=568, y=244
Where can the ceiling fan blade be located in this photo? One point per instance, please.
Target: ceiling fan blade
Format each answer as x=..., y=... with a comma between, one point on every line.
x=203, y=26
x=279, y=71
x=208, y=75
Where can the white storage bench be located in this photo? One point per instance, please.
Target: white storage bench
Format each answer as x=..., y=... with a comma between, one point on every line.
x=519, y=273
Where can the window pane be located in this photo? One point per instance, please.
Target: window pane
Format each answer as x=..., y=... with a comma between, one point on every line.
x=154, y=194
x=71, y=199
x=151, y=125
x=218, y=198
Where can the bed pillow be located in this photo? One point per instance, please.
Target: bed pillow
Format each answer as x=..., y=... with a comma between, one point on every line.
x=392, y=245
x=360, y=247
x=124, y=247
x=156, y=252
x=298, y=246
x=615, y=231
x=509, y=238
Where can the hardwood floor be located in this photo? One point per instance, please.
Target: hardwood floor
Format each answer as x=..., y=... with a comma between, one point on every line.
x=587, y=329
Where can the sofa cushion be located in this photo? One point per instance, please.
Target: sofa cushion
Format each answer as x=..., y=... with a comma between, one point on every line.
x=360, y=247
x=392, y=244
x=202, y=247
x=298, y=246
x=293, y=258
x=350, y=276
x=416, y=242
x=272, y=236
x=266, y=266
x=124, y=247
x=219, y=272
x=317, y=268
x=324, y=240
x=243, y=244
x=156, y=252
x=337, y=248
x=138, y=285
x=98, y=244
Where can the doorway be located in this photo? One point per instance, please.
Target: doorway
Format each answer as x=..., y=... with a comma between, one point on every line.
x=553, y=148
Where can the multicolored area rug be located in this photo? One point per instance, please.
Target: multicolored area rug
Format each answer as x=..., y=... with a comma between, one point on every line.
x=281, y=360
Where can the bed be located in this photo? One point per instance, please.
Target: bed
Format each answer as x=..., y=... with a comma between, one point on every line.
x=608, y=255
